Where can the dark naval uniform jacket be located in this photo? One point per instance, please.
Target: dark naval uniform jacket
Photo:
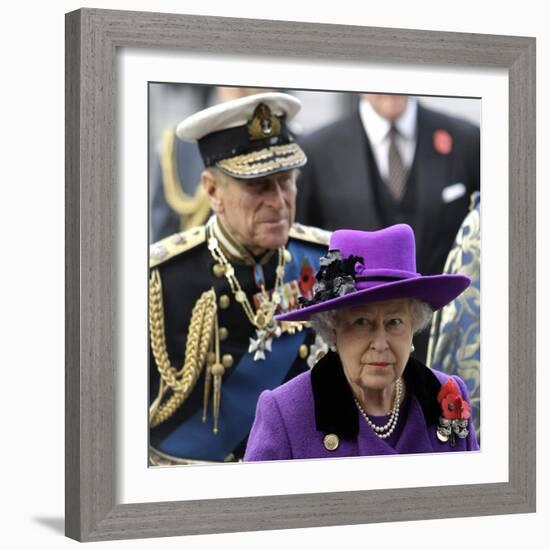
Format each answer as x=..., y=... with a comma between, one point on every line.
x=340, y=187
x=187, y=270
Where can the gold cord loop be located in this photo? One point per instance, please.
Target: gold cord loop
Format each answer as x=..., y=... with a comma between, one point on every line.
x=193, y=210
x=201, y=328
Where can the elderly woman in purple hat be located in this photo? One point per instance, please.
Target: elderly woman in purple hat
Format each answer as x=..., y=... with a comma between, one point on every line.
x=367, y=396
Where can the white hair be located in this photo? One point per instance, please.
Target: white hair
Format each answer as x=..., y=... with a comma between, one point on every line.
x=324, y=323
x=216, y=174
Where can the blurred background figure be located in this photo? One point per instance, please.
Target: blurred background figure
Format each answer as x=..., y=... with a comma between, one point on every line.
x=454, y=346
x=393, y=160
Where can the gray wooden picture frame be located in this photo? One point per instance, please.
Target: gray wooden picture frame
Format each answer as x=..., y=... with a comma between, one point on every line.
x=92, y=39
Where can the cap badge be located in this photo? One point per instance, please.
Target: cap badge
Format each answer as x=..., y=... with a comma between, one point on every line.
x=264, y=124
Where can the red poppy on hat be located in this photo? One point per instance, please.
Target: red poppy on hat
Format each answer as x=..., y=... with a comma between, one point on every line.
x=306, y=282
x=443, y=142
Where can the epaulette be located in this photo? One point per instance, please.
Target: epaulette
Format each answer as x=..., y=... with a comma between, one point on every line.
x=175, y=244
x=310, y=234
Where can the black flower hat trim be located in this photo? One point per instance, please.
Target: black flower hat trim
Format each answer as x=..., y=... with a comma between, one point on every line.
x=336, y=277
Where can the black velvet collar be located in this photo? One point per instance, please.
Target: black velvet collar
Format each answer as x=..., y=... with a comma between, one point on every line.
x=335, y=410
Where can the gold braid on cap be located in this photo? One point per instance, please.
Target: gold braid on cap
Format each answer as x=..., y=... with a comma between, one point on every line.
x=249, y=164
x=199, y=338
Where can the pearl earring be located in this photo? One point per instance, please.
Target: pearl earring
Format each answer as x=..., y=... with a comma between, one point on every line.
x=412, y=348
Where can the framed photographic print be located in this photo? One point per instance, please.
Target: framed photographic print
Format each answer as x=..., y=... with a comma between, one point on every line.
x=338, y=188
x=114, y=62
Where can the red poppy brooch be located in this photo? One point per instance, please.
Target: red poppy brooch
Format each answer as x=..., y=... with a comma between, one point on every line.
x=443, y=142
x=306, y=282
x=455, y=413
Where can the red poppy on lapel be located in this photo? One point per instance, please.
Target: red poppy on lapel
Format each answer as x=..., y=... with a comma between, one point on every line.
x=443, y=142
x=452, y=405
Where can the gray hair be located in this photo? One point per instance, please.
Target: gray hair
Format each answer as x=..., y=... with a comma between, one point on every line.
x=324, y=323
x=216, y=173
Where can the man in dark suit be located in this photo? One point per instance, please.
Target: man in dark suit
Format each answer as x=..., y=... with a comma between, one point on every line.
x=393, y=161
x=345, y=183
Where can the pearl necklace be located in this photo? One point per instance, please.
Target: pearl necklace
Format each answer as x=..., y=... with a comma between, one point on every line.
x=383, y=432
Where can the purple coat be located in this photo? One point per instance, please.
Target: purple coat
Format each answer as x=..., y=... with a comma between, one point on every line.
x=293, y=420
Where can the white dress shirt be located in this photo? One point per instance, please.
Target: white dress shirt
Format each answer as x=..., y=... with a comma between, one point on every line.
x=377, y=129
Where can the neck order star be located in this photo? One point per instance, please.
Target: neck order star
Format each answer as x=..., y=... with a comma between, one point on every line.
x=263, y=319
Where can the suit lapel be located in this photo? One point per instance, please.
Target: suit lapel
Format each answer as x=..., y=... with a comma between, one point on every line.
x=357, y=177
x=430, y=172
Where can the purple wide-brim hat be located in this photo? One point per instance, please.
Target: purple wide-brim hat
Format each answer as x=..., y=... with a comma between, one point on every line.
x=363, y=267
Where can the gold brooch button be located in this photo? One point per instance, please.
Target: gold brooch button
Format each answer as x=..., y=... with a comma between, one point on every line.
x=224, y=301
x=303, y=351
x=287, y=256
x=331, y=442
x=224, y=333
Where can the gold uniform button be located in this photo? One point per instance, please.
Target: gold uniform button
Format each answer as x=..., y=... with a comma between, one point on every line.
x=218, y=270
x=227, y=360
x=331, y=442
x=303, y=351
x=287, y=256
x=224, y=301
x=217, y=369
x=224, y=333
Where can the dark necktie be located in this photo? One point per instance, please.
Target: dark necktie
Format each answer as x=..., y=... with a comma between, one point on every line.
x=396, y=169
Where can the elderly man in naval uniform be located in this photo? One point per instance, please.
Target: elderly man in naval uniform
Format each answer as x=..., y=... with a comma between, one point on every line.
x=215, y=289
